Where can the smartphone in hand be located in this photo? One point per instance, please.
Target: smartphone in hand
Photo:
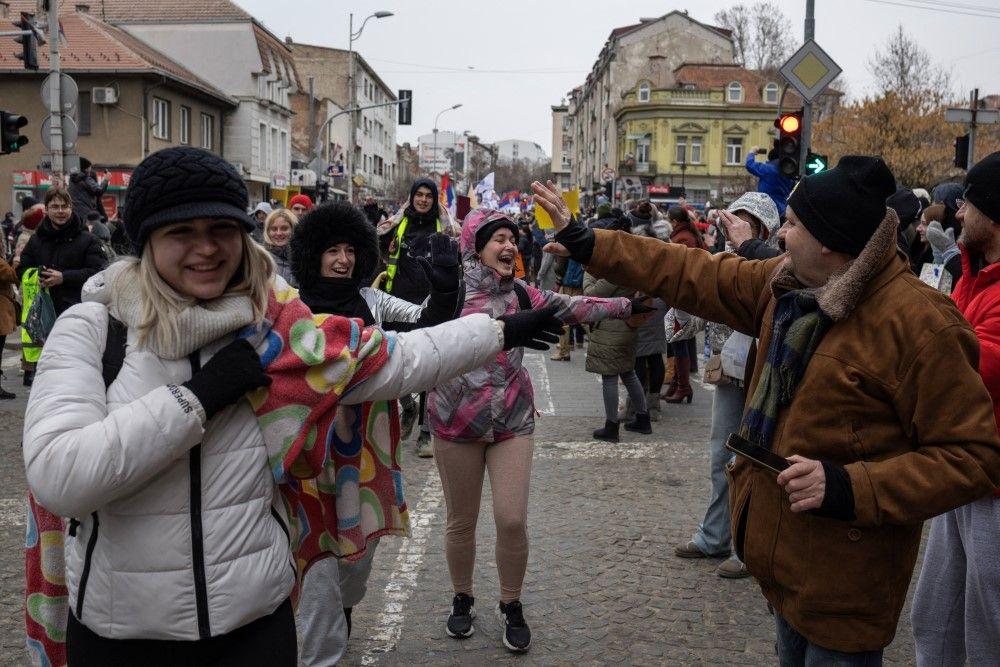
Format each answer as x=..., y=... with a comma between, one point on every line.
x=762, y=457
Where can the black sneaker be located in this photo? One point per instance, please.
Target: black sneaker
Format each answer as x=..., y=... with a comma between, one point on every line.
x=462, y=613
x=6, y=395
x=516, y=634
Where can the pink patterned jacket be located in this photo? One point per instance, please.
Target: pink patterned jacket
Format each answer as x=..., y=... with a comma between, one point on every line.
x=496, y=402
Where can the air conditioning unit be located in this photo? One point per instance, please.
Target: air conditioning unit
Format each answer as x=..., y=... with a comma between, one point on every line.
x=107, y=95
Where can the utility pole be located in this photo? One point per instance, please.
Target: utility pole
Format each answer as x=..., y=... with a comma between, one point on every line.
x=972, y=128
x=351, y=103
x=807, y=107
x=312, y=125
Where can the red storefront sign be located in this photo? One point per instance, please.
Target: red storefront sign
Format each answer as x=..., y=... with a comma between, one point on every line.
x=23, y=178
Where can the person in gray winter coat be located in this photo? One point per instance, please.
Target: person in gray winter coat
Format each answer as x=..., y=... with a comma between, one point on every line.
x=611, y=353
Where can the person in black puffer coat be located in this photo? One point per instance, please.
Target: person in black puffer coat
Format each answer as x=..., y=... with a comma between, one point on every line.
x=63, y=247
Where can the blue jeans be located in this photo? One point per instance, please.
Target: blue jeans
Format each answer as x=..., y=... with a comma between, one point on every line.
x=713, y=536
x=794, y=650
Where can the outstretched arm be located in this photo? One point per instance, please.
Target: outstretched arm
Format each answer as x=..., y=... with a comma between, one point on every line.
x=579, y=309
x=720, y=288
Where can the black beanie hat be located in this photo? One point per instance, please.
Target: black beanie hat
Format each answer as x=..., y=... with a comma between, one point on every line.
x=182, y=183
x=844, y=206
x=905, y=204
x=982, y=186
x=485, y=232
x=324, y=227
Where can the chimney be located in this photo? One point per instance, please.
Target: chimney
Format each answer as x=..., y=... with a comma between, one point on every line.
x=82, y=8
x=288, y=40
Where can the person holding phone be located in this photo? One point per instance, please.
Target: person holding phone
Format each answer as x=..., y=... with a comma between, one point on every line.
x=844, y=387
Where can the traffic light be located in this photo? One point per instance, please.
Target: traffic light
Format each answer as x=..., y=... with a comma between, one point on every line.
x=322, y=191
x=815, y=163
x=11, y=138
x=962, y=151
x=405, y=98
x=789, y=143
x=28, y=42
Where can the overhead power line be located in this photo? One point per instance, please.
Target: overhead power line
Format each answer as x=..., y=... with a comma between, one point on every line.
x=940, y=8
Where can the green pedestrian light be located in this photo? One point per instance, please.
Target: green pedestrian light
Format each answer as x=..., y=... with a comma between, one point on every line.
x=816, y=163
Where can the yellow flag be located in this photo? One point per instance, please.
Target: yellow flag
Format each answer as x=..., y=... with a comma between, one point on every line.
x=572, y=199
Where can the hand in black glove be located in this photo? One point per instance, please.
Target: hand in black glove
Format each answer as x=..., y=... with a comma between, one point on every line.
x=577, y=239
x=531, y=328
x=229, y=374
x=444, y=269
x=638, y=307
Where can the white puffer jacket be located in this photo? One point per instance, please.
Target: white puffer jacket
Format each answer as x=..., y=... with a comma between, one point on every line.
x=176, y=540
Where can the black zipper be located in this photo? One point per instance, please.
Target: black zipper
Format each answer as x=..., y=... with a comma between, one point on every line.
x=197, y=532
x=281, y=522
x=82, y=589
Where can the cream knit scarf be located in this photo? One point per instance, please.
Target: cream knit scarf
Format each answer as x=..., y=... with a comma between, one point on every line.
x=199, y=323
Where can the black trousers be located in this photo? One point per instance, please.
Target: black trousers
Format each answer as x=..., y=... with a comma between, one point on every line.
x=650, y=370
x=267, y=642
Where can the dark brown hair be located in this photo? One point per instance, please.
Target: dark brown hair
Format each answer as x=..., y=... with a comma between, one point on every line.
x=58, y=192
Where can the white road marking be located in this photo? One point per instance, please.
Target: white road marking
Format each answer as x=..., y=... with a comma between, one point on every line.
x=535, y=364
x=402, y=580
x=598, y=450
x=11, y=512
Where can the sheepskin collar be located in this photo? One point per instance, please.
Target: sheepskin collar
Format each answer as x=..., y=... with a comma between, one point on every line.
x=842, y=293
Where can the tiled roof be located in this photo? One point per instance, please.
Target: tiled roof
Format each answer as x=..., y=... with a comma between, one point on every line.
x=715, y=76
x=157, y=11
x=269, y=44
x=93, y=46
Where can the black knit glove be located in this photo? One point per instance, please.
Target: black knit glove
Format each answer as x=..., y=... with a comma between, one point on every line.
x=638, y=307
x=578, y=239
x=229, y=374
x=444, y=269
x=531, y=328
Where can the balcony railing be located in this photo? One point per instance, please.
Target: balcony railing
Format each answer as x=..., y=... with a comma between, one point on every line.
x=633, y=167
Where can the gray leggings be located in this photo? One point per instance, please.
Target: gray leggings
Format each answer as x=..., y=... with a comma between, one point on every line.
x=632, y=385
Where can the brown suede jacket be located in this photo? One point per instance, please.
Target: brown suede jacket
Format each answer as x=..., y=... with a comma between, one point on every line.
x=892, y=393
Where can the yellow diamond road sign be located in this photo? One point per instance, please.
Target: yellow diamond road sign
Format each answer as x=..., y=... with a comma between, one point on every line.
x=810, y=70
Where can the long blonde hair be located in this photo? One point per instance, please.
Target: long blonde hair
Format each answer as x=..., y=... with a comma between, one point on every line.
x=161, y=302
x=278, y=214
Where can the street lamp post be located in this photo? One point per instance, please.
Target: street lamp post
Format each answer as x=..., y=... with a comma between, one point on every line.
x=435, y=152
x=353, y=94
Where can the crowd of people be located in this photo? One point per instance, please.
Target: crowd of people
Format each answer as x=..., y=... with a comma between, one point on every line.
x=218, y=411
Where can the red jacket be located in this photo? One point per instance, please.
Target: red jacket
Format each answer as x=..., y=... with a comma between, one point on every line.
x=977, y=295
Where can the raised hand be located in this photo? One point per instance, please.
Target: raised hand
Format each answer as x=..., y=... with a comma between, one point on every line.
x=549, y=196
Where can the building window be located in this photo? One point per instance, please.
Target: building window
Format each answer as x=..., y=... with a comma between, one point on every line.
x=264, y=154
x=771, y=93
x=285, y=159
x=734, y=150
x=185, y=125
x=644, y=91
x=695, y=150
x=681, y=156
x=734, y=92
x=207, y=131
x=274, y=150
x=161, y=119
x=83, y=112
x=642, y=151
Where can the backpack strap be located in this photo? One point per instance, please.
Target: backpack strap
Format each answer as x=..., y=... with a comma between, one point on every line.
x=523, y=300
x=114, y=350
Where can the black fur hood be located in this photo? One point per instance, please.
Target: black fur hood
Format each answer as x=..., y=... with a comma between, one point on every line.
x=324, y=227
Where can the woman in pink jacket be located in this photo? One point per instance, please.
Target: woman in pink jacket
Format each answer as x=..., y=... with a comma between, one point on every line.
x=484, y=420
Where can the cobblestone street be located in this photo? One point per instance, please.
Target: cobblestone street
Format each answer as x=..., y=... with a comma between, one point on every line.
x=603, y=584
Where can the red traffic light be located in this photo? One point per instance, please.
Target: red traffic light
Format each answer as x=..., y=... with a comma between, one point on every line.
x=789, y=123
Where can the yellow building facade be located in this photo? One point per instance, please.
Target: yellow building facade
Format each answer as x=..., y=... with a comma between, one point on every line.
x=697, y=134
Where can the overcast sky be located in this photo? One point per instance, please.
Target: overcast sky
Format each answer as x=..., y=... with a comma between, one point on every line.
x=527, y=54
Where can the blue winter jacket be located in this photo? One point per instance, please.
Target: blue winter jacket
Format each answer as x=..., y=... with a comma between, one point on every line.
x=772, y=182
x=574, y=274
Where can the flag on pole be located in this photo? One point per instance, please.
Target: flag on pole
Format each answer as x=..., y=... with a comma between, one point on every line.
x=473, y=202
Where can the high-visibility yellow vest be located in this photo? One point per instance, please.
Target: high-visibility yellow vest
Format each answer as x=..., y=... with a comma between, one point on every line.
x=397, y=247
x=29, y=289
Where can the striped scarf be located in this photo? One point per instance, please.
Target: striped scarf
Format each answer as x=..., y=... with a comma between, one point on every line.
x=799, y=326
